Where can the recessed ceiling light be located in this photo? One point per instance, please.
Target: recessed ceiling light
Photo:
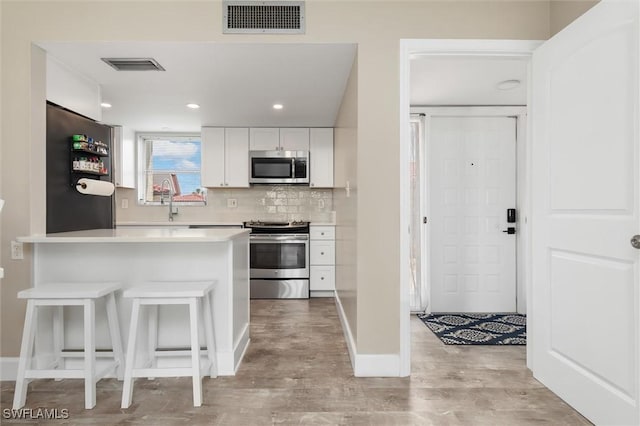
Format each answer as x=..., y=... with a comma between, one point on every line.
x=105, y=105
x=277, y=106
x=193, y=106
x=508, y=84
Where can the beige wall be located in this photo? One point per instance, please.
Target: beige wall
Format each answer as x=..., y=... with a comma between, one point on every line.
x=346, y=175
x=375, y=26
x=564, y=12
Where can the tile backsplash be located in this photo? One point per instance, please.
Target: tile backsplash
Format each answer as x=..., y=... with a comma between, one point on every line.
x=263, y=202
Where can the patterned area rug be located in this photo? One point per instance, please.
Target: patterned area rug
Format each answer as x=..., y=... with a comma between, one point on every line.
x=478, y=329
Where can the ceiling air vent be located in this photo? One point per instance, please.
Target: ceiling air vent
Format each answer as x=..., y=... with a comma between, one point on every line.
x=263, y=17
x=134, y=64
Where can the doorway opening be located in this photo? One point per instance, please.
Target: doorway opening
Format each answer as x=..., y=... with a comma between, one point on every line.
x=472, y=171
x=457, y=93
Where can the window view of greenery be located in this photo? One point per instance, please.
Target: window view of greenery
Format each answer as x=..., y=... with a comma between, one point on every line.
x=172, y=168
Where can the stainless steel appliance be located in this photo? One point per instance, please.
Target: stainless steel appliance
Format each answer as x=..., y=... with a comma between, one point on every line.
x=279, y=260
x=273, y=167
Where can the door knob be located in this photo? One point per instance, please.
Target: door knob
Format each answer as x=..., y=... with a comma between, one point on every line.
x=510, y=230
x=635, y=241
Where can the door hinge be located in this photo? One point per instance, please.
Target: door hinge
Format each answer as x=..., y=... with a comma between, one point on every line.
x=424, y=219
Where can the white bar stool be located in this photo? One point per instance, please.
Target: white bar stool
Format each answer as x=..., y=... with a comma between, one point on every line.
x=57, y=296
x=193, y=294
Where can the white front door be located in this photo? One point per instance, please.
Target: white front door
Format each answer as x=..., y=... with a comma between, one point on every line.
x=584, y=316
x=471, y=184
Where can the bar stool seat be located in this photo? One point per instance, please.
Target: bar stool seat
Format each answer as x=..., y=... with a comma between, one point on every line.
x=196, y=295
x=58, y=295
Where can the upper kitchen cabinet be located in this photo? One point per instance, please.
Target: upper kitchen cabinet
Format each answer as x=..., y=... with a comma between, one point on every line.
x=124, y=157
x=225, y=157
x=294, y=139
x=274, y=139
x=321, y=158
x=264, y=139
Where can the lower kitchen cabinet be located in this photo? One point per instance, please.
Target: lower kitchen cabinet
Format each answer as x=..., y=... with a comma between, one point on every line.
x=322, y=278
x=322, y=260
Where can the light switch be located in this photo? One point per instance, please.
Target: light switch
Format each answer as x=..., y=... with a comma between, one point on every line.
x=125, y=203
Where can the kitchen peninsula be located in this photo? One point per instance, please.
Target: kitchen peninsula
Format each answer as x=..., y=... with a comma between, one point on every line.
x=134, y=257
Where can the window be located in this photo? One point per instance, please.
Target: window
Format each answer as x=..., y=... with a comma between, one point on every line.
x=170, y=166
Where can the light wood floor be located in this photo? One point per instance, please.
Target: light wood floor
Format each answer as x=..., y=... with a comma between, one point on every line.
x=297, y=371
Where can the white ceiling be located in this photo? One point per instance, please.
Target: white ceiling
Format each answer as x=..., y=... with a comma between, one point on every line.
x=449, y=80
x=235, y=84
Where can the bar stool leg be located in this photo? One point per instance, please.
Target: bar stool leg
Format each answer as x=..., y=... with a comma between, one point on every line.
x=195, y=352
x=153, y=335
x=127, y=387
x=116, y=338
x=26, y=353
x=58, y=336
x=89, y=354
x=210, y=336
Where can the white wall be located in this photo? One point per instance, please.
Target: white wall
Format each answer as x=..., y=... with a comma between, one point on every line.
x=72, y=90
x=564, y=12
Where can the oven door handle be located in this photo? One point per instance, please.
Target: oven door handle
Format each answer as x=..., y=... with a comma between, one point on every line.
x=279, y=238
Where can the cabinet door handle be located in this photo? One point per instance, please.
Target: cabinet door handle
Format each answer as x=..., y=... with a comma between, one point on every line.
x=311, y=184
x=222, y=184
x=321, y=278
x=322, y=253
x=322, y=233
x=226, y=184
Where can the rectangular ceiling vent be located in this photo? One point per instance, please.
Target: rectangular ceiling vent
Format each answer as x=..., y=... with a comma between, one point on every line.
x=134, y=64
x=263, y=17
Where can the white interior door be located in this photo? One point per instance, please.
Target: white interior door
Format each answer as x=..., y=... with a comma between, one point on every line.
x=472, y=182
x=584, y=315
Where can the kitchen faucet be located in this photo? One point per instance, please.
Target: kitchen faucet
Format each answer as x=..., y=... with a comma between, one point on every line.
x=170, y=197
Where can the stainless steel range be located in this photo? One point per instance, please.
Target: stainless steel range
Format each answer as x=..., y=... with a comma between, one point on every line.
x=279, y=260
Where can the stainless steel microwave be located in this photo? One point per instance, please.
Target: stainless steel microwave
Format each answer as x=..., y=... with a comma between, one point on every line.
x=279, y=167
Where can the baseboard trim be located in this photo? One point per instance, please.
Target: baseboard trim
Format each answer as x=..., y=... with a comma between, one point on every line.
x=9, y=368
x=322, y=293
x=346, y=330
x=367, y=365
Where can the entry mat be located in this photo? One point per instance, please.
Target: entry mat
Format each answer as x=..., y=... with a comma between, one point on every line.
x=478, y=329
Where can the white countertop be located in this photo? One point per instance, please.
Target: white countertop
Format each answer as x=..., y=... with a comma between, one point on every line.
x=176, y=224
x=136, y=235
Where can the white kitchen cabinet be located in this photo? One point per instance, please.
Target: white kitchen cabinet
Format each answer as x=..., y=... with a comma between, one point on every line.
x=124, y=157
x=321, y=158
x=212, y=149
x=322, y=279
x=321, y=232
x=236, y=157
x=225, y=157
x=323, y=252
x=264, y=139
x=294, y=139
x=322, y=260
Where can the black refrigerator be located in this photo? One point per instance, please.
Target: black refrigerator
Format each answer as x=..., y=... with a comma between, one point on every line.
x=68, y=209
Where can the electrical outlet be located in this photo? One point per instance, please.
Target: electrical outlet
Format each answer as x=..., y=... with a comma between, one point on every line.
x=232, y=203
x=17, y=250
x=321, y=204
x=125, y=203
